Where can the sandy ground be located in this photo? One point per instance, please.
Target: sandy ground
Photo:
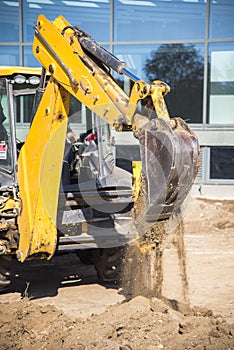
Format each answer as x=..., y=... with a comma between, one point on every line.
x=61, y=305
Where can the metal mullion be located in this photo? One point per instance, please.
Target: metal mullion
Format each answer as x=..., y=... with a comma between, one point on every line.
x=21, y=32
x=206, y=61
x=111, y=37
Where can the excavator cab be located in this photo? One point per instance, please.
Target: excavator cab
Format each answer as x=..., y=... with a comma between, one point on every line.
x=5, y=135
x=17, y=90
x=96, y=196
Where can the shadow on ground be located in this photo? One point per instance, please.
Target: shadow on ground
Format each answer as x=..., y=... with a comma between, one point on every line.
x=37, y=279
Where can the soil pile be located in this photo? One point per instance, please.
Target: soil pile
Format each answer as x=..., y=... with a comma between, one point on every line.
x=149, y=322
x=138, y=324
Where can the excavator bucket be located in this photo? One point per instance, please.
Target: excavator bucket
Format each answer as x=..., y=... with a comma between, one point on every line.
x=170, y=160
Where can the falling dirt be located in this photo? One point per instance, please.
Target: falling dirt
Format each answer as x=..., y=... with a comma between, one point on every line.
x=143, y=263
x=178, y=241
x=142, y=268
x=60, y=304
x=142, y=272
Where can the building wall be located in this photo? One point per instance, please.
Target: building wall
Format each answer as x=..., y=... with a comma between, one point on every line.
x=187, y=43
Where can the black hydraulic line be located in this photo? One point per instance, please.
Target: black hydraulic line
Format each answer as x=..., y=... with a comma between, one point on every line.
x=106, y=57
x=43, y=78
x=102, y=54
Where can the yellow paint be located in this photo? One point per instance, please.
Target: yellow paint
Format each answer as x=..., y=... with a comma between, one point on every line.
x=10, y=70
x=140, y=90
x=39, y=172
x=158, y=90
x=9, y=204
x=136, y=174
x=144, y=248
x=69, y=53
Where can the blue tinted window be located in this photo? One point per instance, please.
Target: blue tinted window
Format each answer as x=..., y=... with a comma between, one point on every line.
x=9, y=56
x=222, y=163
x=9, y=21
x=91, y=16
x=135, y=57
x=221, y=83
x=179, y=65
x=156, y=20
x=221, y=19
x=29, y=59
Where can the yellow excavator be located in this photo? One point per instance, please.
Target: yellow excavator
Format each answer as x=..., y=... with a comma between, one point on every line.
x=59, y=195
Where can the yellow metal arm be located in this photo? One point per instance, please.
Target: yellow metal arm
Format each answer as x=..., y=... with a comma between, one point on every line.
x=57, y=47
x=39, y=171
x=64, y=58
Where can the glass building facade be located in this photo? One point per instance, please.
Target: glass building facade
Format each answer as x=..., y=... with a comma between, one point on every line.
x=187, y=43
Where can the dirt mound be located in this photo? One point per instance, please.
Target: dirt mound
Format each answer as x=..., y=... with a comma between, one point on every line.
x=138, y=324
x=167, y=321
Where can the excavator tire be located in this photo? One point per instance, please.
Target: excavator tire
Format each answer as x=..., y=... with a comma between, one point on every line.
x=86, y=256
x=109, y=264
x=5, y=272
